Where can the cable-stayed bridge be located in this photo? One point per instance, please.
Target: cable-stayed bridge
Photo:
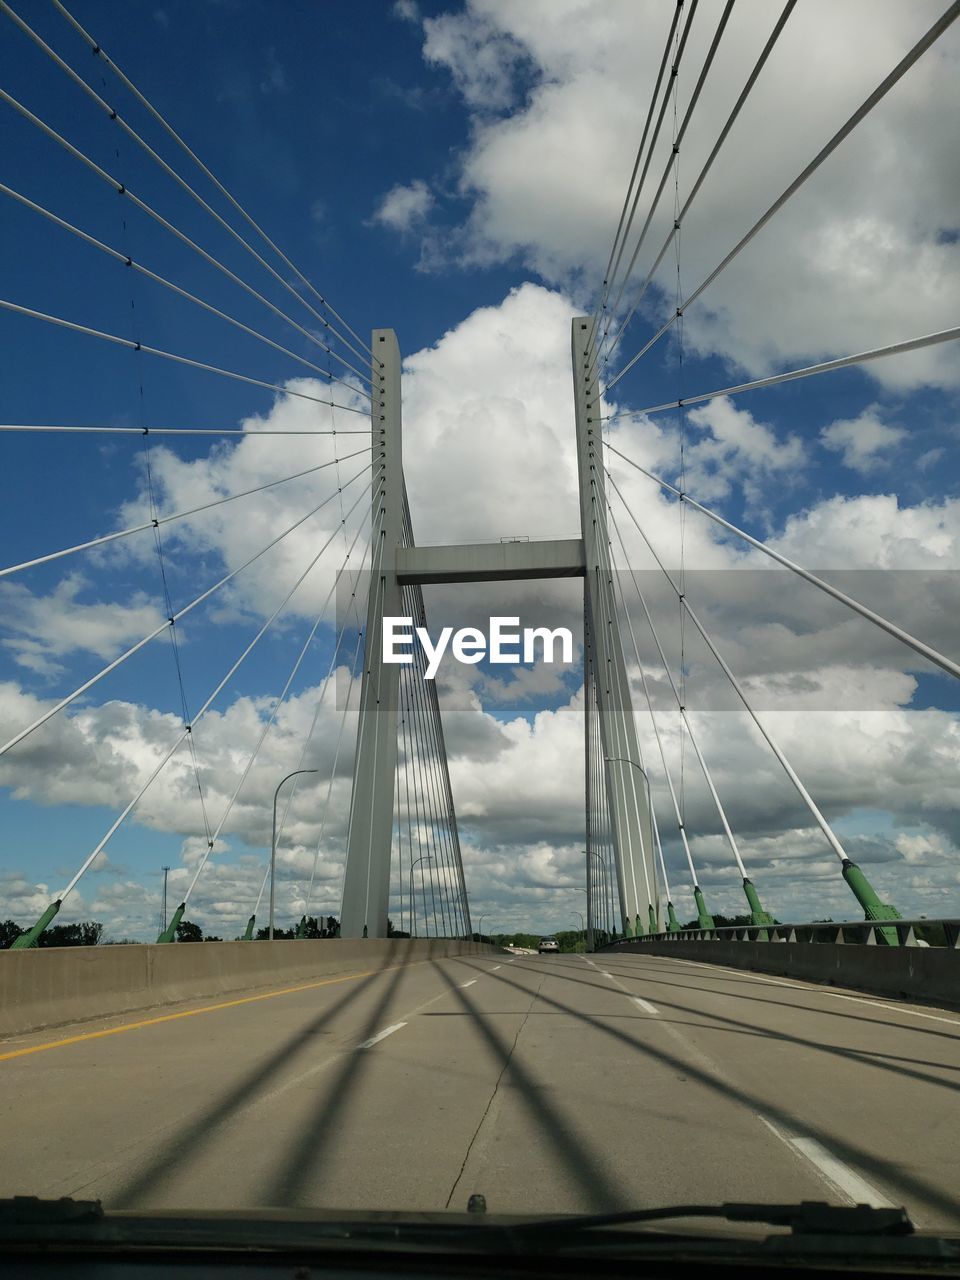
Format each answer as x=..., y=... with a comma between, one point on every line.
x=377, y=736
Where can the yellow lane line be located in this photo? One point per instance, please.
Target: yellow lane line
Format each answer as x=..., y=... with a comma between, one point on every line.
x=191, y=1013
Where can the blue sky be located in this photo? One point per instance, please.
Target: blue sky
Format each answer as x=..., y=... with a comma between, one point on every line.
x=455, y=172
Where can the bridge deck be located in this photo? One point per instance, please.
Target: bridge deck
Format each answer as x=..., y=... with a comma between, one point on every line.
x=557, y=1084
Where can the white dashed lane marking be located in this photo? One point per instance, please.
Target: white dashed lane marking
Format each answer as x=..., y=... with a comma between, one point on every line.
x=381, y=1035
x=840, y=1176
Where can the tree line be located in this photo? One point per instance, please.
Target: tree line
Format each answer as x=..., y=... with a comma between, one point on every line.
x=89, y=933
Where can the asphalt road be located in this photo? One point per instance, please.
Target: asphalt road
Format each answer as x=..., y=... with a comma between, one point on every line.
x=554, y=1084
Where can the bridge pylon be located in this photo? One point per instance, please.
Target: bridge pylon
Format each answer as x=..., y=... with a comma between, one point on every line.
x=627, y=786
x=397, y=564
x=366, y=886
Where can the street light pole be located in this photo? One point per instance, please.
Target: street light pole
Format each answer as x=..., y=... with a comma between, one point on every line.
x=583, y=927
x=427, y=857
x=273, y=842
x=483, y=915
x=166, y=872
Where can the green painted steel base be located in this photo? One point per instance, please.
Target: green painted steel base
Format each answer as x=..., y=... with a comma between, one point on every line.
x=30, y=938
x=673, y=924
x=654, y=927
x=248, y=932
x=170, y=932
x=628, y=928
x=302, y=927
x=704, y=918
x=757, y=913
x=873, y=908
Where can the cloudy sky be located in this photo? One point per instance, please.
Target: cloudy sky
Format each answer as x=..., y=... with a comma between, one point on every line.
x=463, y=187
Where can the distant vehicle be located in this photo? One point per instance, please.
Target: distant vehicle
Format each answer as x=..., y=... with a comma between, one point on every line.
x=548, y=944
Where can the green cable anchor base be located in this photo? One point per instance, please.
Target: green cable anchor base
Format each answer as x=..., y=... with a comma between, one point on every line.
x=302, y=927
x=757, y=913
x=170, y=932
x=654, y=927
x=673, y=924
x=873, y=908
x=248, y=932
x=704, y=919
x=31, y=937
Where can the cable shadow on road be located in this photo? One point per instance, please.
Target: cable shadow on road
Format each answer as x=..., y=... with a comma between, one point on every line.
x=863, y=1057
x=303, y=1164
x=746, y=978
x=856, y=1156
x=187, y=1143
x=584, y=978
x=874, y=1024
x=600, y=1192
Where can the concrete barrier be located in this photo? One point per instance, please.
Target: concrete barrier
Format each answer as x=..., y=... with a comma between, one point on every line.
x=53, y=986
x=930, y=975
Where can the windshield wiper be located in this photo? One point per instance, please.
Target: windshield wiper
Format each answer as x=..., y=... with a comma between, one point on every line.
x=28, y=1220
x=809, y=1217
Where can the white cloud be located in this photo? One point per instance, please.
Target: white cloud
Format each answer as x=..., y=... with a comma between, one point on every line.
x=406, y=10
x=224, y=538
x=863, y=442
x=404, y=207
x=482, y=57
x=735, y=448
x=857, y=259
x=874, y=531
x=924, y=849
x=22, y=899
x=43, y=629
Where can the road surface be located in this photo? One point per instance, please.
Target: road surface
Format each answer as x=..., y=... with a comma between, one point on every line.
x=548, y=1083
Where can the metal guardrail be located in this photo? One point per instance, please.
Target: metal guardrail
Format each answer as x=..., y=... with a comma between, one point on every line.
x=849, y=932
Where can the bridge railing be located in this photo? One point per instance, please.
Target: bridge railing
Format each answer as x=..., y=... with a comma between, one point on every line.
x=910, y=933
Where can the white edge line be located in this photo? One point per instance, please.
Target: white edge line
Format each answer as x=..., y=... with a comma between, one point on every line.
x=841, y=1177
x=381, y=1035
x=496, y=967
x=467, y=984
x=645, y=1004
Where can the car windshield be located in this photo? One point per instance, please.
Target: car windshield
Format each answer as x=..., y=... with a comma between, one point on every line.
x=476, y=468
